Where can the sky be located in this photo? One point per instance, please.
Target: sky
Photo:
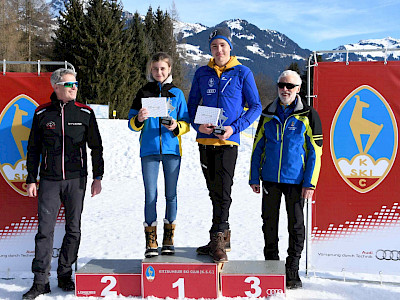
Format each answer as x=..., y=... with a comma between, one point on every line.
x=312, y=24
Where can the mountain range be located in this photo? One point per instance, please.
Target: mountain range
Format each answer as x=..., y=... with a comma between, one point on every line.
x=264, y=51
x=270, y=52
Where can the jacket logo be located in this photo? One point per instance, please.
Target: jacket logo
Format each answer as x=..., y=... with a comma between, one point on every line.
x=51, y=125
x=212, y=34
x=292, y=126
x=364, y=139
x=211, y=91
x=74, y=124
x=211, y=82
x=15, y=126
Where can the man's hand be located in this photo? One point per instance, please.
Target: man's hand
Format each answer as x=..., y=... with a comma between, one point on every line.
x=31, y=189
x=206, y=128
x=172, y=126
x=256, y=188
x=307, y=193
x=96, y=187
x=143, y=114
x=227, y=134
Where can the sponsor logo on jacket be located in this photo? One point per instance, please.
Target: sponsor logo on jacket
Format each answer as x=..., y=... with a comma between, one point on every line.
x=364, y=139
x=51, y=125
x=15, y=126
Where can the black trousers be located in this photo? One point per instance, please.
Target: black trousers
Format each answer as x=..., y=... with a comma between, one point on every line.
x=50, y=196
x=218, y=165
x=271, y=201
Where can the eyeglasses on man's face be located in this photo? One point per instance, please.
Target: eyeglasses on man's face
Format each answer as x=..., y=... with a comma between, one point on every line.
x=288, y=85
x=68, y=84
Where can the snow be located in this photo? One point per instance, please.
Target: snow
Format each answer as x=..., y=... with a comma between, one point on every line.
x=235, y=24
x=245, y=36
x=369, y=44
x=255, y=48
x=112, y=221
x=192, y=53
x=187, y=29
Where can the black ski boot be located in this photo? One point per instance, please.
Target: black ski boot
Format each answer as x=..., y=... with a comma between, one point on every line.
x=36, y=290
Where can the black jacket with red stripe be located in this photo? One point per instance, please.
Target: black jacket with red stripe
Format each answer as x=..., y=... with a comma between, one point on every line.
x=58, y=138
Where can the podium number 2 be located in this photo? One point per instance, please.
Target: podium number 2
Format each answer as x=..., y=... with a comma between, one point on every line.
x=255, y=285
x=180, y=284
x=107, y=290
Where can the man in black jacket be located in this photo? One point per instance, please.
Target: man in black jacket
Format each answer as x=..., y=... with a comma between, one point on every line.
x=61, y=129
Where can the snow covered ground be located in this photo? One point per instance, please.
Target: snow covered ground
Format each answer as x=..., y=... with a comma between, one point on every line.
x=112, y=221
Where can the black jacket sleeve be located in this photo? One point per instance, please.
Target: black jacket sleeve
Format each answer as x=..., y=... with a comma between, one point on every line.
x=95, y=144
x=34, y=151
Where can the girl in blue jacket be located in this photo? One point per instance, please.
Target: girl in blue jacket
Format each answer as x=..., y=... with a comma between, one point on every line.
x=160, y=143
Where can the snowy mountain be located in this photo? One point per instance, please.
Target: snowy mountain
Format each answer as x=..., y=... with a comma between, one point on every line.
x=56, y=6
x=264, y=51
x=383, y=44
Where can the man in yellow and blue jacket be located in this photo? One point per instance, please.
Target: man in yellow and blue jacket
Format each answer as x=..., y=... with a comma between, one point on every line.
x=287, y=158
x=224, y=83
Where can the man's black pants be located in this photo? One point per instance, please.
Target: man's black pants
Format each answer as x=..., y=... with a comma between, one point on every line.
x=271, y=201
x=218, y=165
x=50, y=196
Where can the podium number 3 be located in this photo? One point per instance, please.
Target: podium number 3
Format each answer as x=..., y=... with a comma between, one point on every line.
x=180, y=284
x=255, y=285
x=107, y=290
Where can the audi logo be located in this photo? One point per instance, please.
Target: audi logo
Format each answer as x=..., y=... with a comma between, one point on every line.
x=271, y=292
x=388, y=255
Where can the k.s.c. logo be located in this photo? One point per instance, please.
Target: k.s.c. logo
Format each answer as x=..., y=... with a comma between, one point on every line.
x=15, y=125
x=364, y=139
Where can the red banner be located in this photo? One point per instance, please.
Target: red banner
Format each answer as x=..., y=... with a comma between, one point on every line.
x=356, y=208
x=20, y=94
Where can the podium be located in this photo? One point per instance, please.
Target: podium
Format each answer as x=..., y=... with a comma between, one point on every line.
x=253, y=279
x=104, y=277
x=183, y=275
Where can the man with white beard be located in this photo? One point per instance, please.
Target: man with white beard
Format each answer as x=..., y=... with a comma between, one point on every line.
x=287, y=158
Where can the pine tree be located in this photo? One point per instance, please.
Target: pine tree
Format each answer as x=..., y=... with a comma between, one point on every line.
x=150, y=31
x=106, y=71
x=164, y=41
x=68, y=38
x=141, y=53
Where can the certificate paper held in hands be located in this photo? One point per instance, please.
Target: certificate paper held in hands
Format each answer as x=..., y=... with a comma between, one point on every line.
x=156, y=106
x=207, y=115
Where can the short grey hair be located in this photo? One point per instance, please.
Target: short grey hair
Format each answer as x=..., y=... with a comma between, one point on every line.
x=291, y=73
x=57, y=74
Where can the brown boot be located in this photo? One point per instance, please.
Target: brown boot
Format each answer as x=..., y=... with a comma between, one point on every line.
x=205, y=250
x=217, y=247
x=168, y=240
x=151, y=240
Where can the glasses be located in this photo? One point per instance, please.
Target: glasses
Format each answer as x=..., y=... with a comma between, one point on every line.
x=288, y=85
x=68, y=84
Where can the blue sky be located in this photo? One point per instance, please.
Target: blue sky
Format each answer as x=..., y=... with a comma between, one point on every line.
x=312, y=24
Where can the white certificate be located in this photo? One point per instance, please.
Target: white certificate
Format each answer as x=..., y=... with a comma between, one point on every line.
x=207, y=115
x=156, y=106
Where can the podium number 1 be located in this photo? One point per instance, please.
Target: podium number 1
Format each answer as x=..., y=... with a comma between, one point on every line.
x=180, y=284
x=255, y=285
